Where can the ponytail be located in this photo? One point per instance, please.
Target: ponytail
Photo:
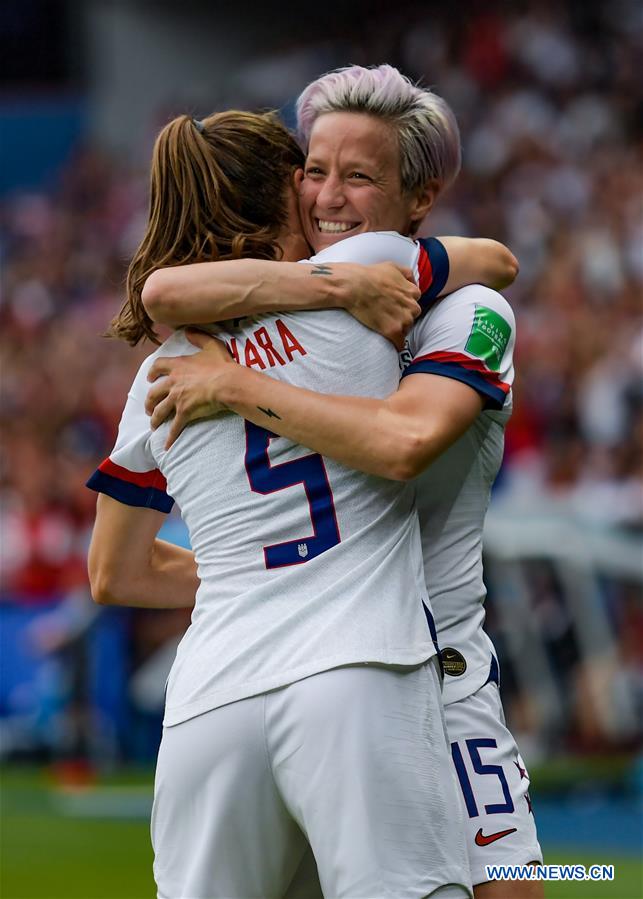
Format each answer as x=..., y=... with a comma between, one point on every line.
x=217, y=191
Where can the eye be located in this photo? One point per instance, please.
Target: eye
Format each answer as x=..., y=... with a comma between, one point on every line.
x=359, y=176
x=313, y=171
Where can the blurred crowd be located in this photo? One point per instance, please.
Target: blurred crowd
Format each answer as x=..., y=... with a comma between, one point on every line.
x=552, y=167
x=547, y=98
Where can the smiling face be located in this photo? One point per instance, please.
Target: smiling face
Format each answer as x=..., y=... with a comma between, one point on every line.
x=352, y=181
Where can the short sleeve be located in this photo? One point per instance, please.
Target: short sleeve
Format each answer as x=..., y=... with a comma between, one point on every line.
x=469, y=336
x=130, y=474
x=432, y=270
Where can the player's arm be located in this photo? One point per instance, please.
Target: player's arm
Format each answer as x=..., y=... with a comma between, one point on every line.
x=129, y=566
x=383, y=296
x=396, y=437
x=478, y=261
x=127, y=563
x=216, y=291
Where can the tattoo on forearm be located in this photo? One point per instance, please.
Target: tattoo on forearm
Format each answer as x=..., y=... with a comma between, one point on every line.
x=269, y=412
x=321, y=270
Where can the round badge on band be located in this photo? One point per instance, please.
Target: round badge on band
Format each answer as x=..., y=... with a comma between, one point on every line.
x=453, y=662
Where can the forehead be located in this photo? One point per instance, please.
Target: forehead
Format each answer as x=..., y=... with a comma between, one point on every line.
x=354, y=137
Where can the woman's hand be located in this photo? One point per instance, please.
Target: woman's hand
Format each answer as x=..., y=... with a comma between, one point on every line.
x=384, y=297
x=188, y=386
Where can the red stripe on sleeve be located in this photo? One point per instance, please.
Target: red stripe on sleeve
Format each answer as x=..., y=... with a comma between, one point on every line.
x=466, y=362
x=425, y=270
x=152, y=478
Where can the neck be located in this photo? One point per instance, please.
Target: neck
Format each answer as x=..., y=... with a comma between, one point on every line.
x=294, y=247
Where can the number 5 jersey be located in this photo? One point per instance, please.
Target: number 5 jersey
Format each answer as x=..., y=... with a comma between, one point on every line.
x=305, y=565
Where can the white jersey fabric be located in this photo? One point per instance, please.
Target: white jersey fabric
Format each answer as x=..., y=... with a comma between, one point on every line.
x=470, y=336
x=305, y=565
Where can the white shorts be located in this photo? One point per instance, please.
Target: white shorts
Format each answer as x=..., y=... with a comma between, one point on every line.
x=499, y=822
x=353, y=761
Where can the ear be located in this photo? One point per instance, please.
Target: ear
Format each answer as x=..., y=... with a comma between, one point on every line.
x=297, y=178
x=422, y=204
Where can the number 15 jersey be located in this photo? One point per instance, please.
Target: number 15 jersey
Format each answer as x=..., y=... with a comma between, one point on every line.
x=305, y=565
x=468, y=336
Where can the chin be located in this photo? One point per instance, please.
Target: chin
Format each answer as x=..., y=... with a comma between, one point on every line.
x=321, y=241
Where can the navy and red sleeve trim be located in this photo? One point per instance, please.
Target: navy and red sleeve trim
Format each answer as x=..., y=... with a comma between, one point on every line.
x=433, y=268
x=133, y=488
x=462, y=368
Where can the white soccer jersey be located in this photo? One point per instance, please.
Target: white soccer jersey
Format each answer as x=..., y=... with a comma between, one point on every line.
x=468, y=335
x=305, y=565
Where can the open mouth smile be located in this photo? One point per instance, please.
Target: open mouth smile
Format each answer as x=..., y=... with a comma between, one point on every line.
x=327, y=227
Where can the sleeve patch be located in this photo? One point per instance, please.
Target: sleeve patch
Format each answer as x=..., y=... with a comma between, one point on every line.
x=489, y=337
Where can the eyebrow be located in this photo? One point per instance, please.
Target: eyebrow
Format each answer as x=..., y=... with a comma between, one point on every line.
x=351, y=164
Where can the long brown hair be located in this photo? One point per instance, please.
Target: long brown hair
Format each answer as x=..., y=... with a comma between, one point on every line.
x=217, y=191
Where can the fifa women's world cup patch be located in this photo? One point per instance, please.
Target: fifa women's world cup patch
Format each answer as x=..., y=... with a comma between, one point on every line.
x=489, y=337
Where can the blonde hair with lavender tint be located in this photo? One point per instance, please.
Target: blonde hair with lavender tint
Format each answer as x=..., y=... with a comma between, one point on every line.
x=428, y=134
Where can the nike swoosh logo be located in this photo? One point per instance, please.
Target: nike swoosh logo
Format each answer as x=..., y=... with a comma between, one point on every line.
x=482, y=840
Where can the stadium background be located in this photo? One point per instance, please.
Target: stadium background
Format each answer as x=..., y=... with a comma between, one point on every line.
x=547, y=96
